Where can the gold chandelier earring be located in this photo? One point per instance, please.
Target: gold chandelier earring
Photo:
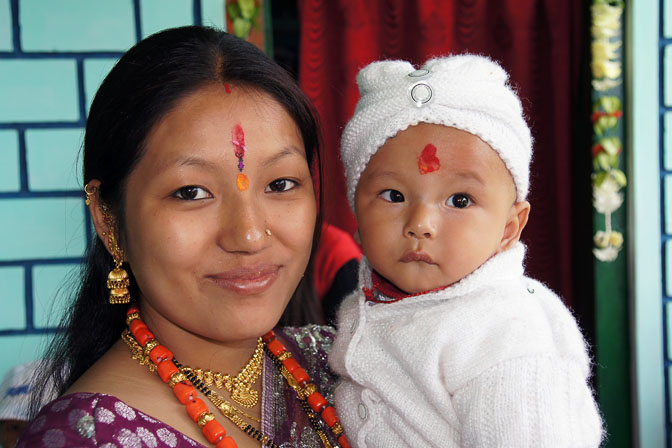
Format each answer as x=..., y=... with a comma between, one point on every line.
x=117, y=280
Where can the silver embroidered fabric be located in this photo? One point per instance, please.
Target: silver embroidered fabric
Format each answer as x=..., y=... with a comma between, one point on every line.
x=289, y=427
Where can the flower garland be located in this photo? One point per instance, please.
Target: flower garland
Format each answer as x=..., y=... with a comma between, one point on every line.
x=244, y=14
x=607, y=179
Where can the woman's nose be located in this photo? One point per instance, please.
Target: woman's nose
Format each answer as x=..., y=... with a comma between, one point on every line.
x=243, y=226
x=421, y=223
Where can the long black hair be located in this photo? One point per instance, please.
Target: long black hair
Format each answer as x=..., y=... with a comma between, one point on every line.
x=143, y=86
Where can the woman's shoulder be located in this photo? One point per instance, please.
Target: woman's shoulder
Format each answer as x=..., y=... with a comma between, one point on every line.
x=98, y=420
x=310, y=336
x=310, y=345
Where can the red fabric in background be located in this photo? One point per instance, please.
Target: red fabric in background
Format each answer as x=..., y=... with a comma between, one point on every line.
x=336, y=248
x=537, y=41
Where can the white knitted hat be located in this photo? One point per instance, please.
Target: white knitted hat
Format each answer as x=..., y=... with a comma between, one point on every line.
x=466, y=92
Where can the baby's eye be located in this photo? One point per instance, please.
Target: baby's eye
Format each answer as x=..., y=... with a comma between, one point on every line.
x=280, y=185
x=192, y=193
x=391, y=196
x=459, y=200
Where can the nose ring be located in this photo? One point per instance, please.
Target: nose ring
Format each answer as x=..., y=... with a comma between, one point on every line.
x=268, y=232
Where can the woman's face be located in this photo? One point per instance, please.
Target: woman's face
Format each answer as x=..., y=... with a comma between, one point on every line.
x=220, y=213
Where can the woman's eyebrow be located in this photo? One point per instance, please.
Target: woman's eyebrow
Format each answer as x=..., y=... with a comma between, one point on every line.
x=197, y=161
x=187, y=161
x=286, y=151
x=194, y=161
x=184, y=161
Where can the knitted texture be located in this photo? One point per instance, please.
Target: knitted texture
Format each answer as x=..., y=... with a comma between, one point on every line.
x=495, y=360
x=466, y=92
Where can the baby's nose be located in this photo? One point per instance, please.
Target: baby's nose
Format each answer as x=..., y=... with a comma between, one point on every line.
x=421, y=223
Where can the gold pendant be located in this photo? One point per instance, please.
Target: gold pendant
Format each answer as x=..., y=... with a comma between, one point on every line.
x=245, y=397
x=241, y=386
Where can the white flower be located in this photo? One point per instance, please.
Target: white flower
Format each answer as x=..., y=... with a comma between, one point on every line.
x=603, y=49
x=616, y=239
x=603, y=68
x=606, y=197
x=609, y=185
x=601, y=239
x=607, y=254
x=602, y=85
x=606, y=20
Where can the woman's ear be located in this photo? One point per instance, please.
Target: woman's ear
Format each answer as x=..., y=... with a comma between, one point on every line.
x=515, y=223
x=92, y=190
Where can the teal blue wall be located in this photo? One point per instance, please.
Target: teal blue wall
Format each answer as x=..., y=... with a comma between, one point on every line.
x=647, y=212
x=53, y=56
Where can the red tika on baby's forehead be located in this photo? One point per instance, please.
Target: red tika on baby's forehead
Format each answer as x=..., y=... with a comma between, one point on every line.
x=428, y=161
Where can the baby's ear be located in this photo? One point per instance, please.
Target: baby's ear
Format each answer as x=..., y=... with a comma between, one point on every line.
x=515, y=224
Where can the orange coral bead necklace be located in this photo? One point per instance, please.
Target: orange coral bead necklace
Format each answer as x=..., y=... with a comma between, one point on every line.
x=185, y=384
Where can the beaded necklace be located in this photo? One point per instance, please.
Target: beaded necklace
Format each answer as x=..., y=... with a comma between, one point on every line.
x=137, y=352
x=240, y=386
x=184, y=385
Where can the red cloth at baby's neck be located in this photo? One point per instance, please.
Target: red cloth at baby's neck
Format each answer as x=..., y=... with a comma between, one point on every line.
x=386, y=288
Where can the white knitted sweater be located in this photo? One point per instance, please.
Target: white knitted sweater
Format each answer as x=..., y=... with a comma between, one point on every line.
x=495, y=360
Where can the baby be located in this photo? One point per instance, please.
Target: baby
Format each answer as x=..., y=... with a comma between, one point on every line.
x=446, y=342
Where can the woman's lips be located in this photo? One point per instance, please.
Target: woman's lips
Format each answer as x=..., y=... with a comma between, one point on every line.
x=248, y=280
x=411, y=256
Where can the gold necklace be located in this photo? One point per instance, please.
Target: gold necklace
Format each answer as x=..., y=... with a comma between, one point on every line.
x=239, y=386
x=138, y=353
x=185, y=385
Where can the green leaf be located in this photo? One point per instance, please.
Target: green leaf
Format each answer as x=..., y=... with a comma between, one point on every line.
x=246, y=8
x=257, y=11
x=612, y=145
x=598, y=129
x=255, y=18
x=596, y=165
x=606, y=122
x=241, y=27
x=619, y=177
x=610, y=104
x=603, y=160
x=233, y=10
x=613, y=160
x=599, y=178
x=610, y=122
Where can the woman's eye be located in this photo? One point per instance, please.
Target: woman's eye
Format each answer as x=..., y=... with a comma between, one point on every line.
x=192, y=193
x=280, y=185
x=392, y=196
x=459, y=200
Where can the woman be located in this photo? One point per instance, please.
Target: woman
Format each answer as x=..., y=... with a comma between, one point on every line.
x=197, y=164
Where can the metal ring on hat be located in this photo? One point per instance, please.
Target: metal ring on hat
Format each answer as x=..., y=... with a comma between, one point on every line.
x=420, y=93
x=420, y=74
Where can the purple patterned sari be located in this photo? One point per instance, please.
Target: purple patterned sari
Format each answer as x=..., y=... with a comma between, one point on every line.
x=98, y=420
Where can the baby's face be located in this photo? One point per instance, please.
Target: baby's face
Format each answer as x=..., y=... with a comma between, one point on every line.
x=427, y=219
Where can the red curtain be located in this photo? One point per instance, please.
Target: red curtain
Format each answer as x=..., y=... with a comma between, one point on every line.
x=537, y=41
